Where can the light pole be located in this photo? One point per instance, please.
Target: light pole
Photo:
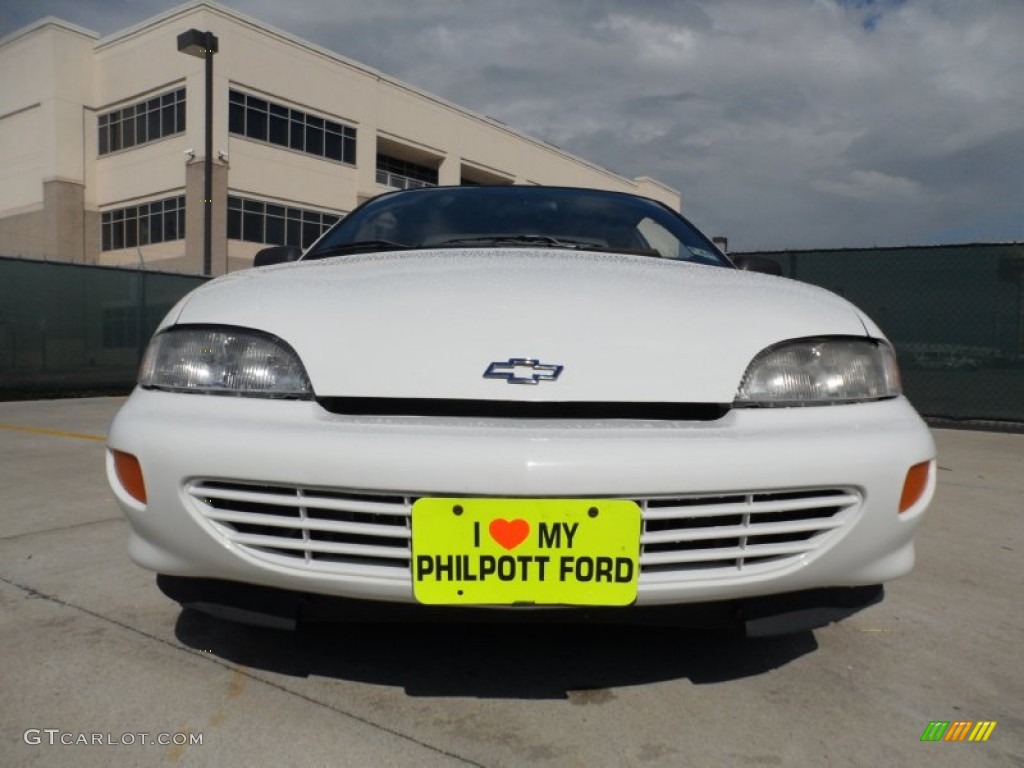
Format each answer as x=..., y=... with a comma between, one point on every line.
x=204, y=45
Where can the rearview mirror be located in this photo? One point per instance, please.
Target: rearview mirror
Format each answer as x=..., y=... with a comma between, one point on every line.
x=276, y=254
x=760, y=264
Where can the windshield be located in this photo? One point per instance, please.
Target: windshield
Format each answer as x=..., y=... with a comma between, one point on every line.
x=511, y=216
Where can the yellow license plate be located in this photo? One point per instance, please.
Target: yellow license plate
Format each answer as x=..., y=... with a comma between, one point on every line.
x=525, y=551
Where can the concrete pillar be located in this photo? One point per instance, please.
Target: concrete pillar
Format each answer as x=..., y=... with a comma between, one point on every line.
x=449, y=173
x=64, y=219
x=194, y=217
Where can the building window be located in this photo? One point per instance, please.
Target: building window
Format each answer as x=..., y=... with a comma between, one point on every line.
x=263, y=120
x=402, y=174
x=155, y=222
x=258, y=222
x=142, y=122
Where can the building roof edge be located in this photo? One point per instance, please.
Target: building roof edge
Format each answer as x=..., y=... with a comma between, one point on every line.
x=269, y=29
x=48, y=21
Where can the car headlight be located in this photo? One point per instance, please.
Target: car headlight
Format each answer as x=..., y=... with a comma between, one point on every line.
x=223, y=361
x=820, y=372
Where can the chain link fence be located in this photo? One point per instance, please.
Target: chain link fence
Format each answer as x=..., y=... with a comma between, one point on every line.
x=953, y=312
x=76, y=329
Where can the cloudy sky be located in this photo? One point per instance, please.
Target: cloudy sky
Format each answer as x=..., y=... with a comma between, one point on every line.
x=784, y=123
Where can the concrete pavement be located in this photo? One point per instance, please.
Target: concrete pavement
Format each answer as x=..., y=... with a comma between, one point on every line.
x=91, y=647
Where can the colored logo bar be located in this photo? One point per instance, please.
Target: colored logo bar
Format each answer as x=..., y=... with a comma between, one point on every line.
x=958, y=730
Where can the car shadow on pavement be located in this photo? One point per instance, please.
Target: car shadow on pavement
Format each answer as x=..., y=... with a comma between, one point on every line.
x=538, y=661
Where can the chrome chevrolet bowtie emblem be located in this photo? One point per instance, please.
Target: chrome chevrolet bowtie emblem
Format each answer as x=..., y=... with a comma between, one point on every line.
x=521, y=370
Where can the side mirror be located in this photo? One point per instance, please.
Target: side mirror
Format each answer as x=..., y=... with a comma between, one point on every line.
x=276, y=254
x=760, y=264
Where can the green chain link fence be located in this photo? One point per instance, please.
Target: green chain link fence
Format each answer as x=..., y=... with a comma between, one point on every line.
x=74, y=328
x=954, y=313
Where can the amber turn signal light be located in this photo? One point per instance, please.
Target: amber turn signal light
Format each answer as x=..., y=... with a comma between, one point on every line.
x=129, y=472
x=915, y=485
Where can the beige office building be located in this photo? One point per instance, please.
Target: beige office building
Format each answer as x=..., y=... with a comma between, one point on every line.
x=102, y=142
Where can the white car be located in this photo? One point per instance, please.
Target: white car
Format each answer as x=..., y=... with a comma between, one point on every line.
x=519, y=402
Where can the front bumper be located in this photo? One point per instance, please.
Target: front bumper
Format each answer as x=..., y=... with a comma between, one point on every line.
x=187, y=442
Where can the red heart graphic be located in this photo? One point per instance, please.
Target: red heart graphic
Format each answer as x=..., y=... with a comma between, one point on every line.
x=509, y=533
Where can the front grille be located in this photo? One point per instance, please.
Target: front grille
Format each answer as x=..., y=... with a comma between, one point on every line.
x=683, y=538
x=741, y=532
x=308, y=527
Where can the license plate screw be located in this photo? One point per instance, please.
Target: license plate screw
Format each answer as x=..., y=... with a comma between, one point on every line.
x=592, y=511
x=457, y=509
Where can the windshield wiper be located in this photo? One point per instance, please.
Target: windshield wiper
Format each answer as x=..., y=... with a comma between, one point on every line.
x=358, y=246
x=555, y=242
x=520, y=239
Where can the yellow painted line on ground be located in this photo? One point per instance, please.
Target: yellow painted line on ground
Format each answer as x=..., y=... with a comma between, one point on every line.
x=53, y=432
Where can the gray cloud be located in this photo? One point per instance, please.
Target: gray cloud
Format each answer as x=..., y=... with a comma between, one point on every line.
x=796, y=123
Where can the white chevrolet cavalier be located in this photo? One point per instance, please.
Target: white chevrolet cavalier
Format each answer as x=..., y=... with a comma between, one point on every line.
x=515, y=403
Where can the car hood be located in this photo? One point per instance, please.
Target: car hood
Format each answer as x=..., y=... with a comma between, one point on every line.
x=427, y=324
